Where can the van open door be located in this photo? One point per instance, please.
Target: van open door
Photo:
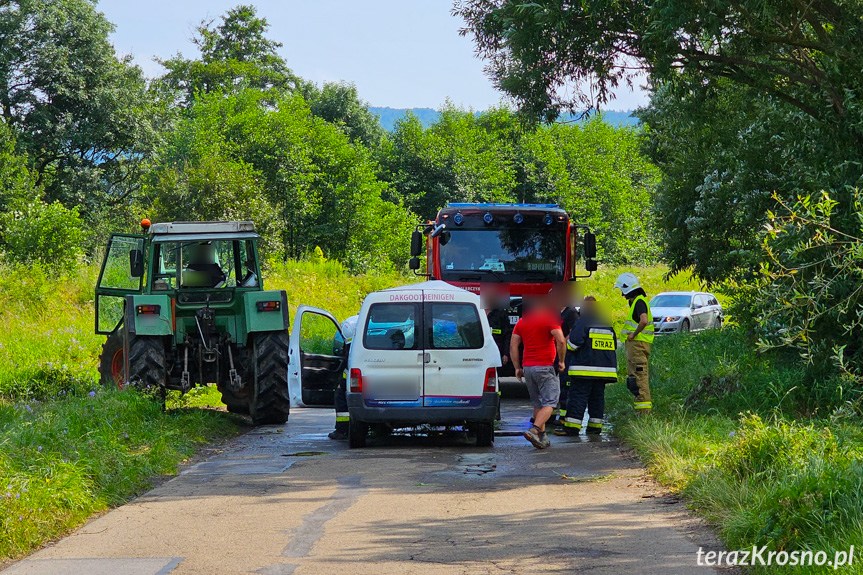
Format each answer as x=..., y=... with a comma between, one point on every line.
x=315, y=358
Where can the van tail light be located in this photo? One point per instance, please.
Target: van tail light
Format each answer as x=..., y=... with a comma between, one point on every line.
x=356, y=381
x=490, y=380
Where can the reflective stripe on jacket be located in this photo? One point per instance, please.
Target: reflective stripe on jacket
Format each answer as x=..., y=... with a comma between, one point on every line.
x=629, y=326
x=594, y=350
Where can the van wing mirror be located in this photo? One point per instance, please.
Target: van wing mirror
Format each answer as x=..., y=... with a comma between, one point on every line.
x=416, y=243
x=136, y=263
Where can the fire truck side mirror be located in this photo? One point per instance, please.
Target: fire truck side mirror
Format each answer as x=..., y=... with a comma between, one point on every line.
x=416, y=245
x=590, y=265
x=589, y=246
x=414, y=263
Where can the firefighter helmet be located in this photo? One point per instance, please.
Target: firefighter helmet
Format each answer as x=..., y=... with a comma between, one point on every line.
x=627, y=282
x=349, y=328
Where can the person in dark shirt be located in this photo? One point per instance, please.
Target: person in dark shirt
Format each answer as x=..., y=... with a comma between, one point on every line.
x=568, y=318
x=208, y=273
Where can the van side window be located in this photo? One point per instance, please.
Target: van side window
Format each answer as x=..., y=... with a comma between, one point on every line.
x=391, y=326
x=454, y=326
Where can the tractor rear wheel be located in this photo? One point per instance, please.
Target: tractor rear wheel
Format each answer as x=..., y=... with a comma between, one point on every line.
x=270, y=402
x=148, y=368
x=112, y=363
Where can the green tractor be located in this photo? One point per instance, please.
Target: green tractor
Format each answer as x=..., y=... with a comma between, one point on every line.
x=183, y=304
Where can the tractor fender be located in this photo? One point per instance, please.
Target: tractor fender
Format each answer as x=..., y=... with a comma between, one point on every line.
x=262, y=318
x=154, y=318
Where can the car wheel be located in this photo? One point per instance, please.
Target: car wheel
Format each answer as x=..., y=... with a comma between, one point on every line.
x=685, y=325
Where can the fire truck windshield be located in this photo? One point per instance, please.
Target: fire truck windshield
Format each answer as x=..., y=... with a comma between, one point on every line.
x=510, y=255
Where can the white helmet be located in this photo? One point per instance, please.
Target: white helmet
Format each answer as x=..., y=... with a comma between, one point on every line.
x=627, y=282
x=349, y=328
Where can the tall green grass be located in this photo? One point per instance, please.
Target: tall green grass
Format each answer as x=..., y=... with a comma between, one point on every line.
x=763, y=455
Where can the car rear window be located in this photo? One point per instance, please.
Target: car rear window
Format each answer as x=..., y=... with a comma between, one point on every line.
x=454, y=326
x=391, y=326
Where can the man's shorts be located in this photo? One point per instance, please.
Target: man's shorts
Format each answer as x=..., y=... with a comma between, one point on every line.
x=543, y=385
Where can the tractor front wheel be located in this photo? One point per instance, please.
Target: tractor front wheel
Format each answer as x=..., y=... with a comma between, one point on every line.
x=270, y=402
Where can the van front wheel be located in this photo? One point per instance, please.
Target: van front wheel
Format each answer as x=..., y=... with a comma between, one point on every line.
x=358, y=431
x=484, y=434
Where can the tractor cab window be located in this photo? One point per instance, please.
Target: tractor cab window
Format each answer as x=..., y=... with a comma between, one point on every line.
x=207, y=264
x=204, y=265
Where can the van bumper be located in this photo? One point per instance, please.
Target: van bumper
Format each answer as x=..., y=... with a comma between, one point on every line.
x=485, y=411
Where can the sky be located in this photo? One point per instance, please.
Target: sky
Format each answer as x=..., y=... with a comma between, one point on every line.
x=399, y=53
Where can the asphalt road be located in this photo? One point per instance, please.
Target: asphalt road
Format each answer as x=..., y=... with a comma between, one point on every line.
x=284, y=500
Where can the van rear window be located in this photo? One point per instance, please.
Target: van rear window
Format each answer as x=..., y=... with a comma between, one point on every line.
x=454, y=326
x=391, y=326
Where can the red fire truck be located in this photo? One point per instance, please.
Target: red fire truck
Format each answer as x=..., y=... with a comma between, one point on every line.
x=522, y=248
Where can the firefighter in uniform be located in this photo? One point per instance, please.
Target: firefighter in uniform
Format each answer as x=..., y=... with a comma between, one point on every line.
x=348, y=329
x=638, y=330
x=568, y=318
x=592, y=363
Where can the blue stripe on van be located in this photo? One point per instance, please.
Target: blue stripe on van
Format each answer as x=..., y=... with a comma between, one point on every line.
x=437, y=400
x=393, y=402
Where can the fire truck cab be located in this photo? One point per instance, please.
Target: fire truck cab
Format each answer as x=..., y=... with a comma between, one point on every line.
x=523, y=249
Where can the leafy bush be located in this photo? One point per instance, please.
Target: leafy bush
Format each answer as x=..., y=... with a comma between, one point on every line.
x=39, y=232
x=809, y=294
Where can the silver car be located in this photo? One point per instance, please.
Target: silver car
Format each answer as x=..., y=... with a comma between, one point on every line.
x=676, y=311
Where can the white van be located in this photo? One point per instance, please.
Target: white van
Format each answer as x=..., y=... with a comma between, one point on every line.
x=422, y=354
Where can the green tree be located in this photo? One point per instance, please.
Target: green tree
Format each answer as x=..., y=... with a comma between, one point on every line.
x=296, y=174
x=234, y=55
x=596, y=172
x=454, y=160
x=81, y=116
x=339, y=104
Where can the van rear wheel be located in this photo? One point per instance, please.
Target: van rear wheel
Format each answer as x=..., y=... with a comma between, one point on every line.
x=484, y=433
x=358, y=431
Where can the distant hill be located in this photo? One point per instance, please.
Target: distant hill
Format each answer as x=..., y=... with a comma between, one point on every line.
x=429, y=116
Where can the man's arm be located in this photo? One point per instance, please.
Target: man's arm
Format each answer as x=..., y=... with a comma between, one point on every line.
x=642, y=323
x=560, y=344
x=515, y=354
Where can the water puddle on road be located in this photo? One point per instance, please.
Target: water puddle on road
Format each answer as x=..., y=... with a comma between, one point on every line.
x=476, y=464
x=304, y=454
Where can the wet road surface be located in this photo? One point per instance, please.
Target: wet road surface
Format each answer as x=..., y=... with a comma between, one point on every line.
x=285, y=500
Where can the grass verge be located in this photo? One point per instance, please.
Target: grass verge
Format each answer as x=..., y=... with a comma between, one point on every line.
x=741, y=436
x=63, y=460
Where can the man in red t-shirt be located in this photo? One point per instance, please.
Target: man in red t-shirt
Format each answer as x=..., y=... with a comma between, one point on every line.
x=539, y=330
